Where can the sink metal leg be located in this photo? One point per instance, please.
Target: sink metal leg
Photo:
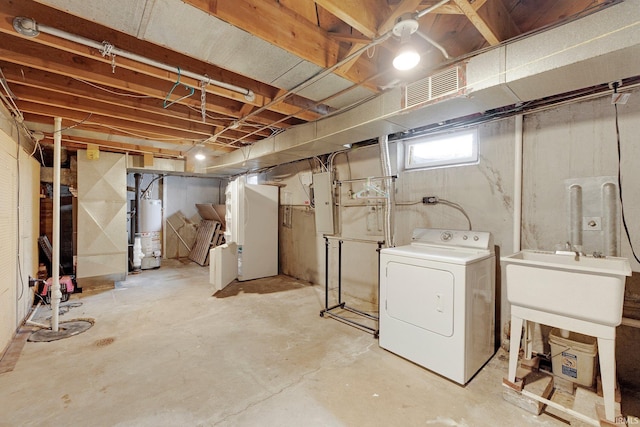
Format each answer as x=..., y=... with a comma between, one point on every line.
x=607, y=354
x=514, y=346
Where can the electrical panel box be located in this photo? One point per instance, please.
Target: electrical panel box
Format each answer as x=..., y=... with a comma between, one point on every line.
x=324, y=206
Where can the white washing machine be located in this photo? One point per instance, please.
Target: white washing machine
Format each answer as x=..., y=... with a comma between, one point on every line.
x=437, y=301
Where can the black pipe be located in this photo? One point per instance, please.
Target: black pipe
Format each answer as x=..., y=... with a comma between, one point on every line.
x=340, y=272
x=136, y=203
x=326, y=273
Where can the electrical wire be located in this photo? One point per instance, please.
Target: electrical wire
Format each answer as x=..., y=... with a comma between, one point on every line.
x=19, y=282
x=74, y=125
x=323, y=167
x=144, y=192
x=128, y=95
x=624, y=220
x=408, y=203
x=458, y=207
x=9, y=99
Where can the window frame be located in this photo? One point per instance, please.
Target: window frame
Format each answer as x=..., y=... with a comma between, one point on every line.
x=471, y=159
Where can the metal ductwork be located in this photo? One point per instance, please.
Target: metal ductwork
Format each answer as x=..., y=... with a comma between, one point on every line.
x=590, y=51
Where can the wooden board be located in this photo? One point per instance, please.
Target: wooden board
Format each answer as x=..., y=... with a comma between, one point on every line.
x=204, y=237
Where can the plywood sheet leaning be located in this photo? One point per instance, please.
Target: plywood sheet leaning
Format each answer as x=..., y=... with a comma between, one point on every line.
x=204, y=238
x=181, y=235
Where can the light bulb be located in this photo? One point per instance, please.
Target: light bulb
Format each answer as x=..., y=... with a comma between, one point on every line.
x=406, y=59
x=200, y=156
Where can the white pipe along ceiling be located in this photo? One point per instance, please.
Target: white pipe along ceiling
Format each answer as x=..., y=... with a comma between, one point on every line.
x=29, y=27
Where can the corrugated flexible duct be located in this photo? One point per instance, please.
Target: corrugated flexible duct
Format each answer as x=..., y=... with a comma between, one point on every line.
x=390, y=205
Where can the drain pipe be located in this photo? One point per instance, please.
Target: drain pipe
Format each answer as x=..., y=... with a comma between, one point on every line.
x=389, y=206
x=136, y=254
x=517, y=187
x=56, y=295
x=136, y=203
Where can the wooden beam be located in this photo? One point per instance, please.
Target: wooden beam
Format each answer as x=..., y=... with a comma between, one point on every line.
x=79, y=118
x=304, y=8
x=39, y=57
x=261, y=99
x=405, y=6
x=350, y=38
x=44, y=97
x=81, y=142
x=478, y=22
x=498, y=18
x=47, y=80
x=453, y=9
x=280, y=26
x=364, y=18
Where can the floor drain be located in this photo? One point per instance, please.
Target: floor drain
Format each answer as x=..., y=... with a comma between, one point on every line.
x=65, y=330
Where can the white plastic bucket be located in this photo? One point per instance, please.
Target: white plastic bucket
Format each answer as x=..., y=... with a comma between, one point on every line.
x=574, y=358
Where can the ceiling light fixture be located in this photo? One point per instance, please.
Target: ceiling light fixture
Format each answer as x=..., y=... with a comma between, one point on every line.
x=407, y=57
x=200, y=156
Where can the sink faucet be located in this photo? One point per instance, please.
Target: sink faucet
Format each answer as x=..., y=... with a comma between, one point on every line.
x=572, y=248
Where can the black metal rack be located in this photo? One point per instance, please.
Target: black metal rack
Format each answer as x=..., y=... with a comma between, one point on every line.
x=328, y=311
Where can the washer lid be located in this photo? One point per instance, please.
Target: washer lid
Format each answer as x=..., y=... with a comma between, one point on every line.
x=448, y=254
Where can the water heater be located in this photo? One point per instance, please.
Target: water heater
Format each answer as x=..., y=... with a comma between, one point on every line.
x=150, y=232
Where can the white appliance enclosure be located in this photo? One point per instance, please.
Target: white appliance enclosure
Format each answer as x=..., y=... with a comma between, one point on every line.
x=252, y=226
x=437, y=301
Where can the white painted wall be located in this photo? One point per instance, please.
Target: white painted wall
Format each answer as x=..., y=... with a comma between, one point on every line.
x=19, y=224
x=181, y=194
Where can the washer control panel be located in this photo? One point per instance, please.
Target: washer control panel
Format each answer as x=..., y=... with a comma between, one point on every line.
x=443, y=237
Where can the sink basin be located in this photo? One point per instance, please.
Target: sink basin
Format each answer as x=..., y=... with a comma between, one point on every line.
x=580, y=287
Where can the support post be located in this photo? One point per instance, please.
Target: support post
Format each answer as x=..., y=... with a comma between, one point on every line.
x=56, y=295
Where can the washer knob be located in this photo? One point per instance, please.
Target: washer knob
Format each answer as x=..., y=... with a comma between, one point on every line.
x=465, y=237
x=446, y=236
x=476, y=238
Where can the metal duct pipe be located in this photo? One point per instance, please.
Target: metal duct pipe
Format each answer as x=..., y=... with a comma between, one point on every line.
x=575, y=215
x=56, y=295
x=389, y=206
x=29, y=27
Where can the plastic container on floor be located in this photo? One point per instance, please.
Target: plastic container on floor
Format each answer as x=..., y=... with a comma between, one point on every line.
x=574, y=358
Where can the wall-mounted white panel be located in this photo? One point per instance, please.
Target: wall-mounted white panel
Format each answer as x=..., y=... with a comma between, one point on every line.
x=324, y=206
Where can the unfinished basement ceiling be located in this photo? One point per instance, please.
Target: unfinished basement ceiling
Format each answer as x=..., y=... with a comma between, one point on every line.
x=267, y=47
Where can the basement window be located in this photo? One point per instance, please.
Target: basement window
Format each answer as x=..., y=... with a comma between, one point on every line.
x=451, y=149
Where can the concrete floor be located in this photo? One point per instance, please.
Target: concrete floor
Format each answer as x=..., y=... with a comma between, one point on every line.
x=164, y=352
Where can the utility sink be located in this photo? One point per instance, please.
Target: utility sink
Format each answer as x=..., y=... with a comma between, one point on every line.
x=581, y=287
